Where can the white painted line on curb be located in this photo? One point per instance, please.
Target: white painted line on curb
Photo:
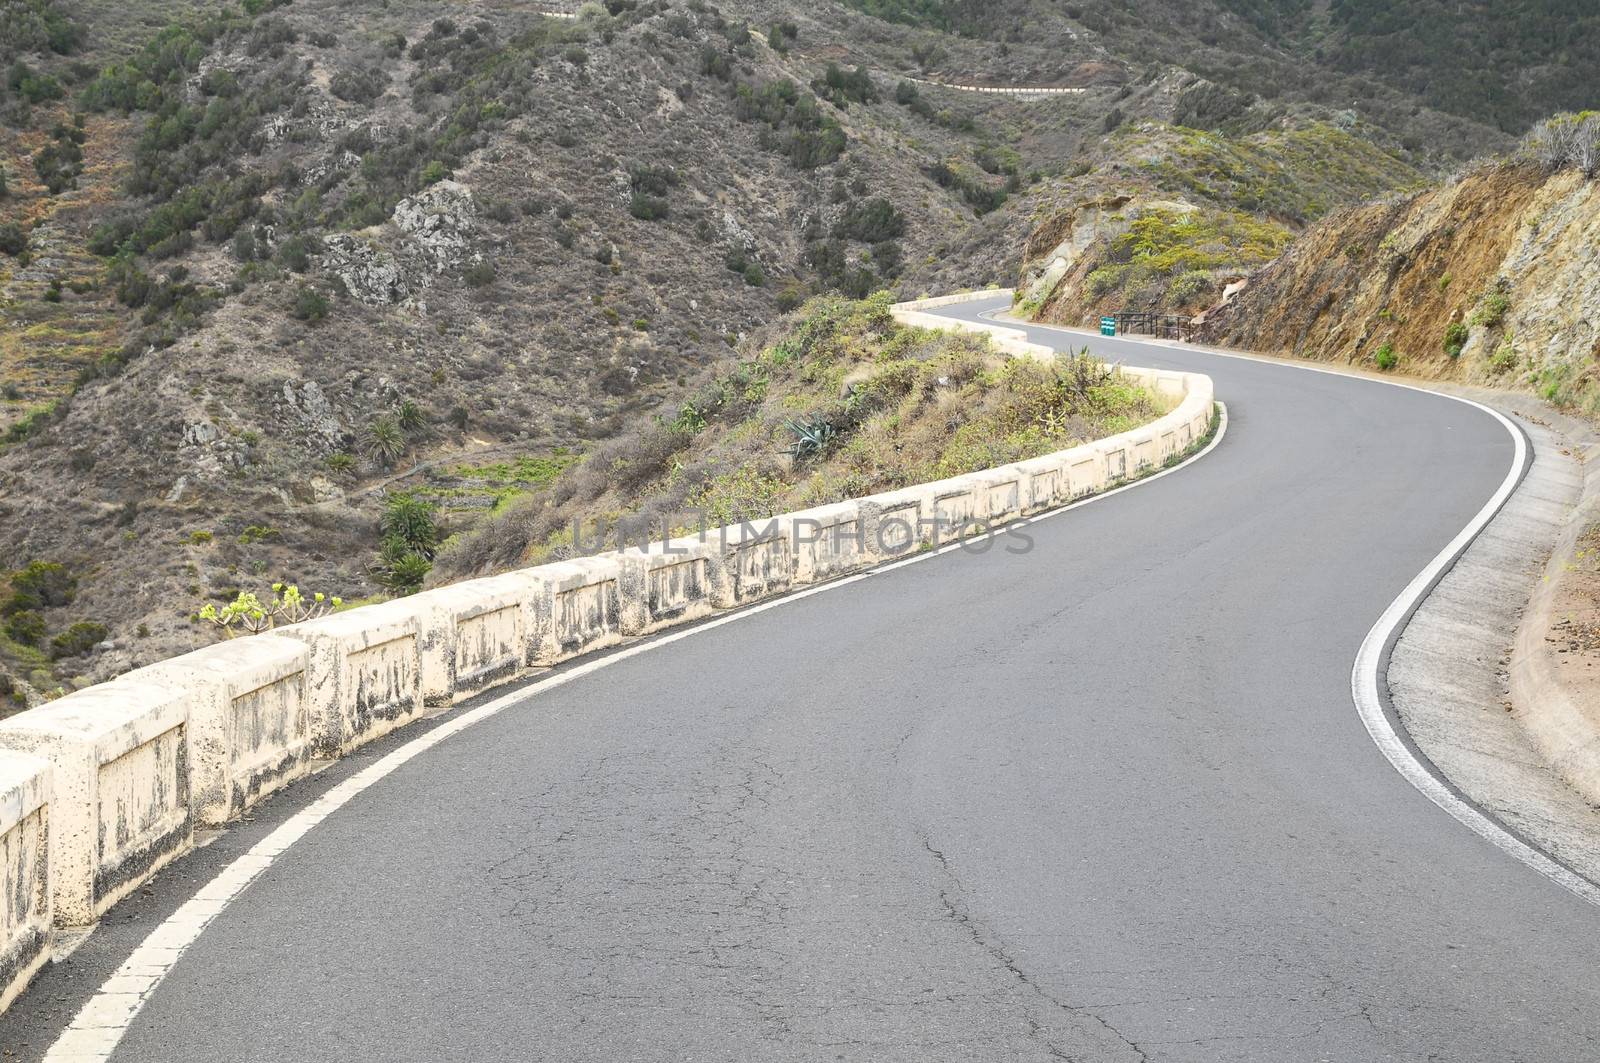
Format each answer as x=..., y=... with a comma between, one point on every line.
x=1367, y=684
x=99, y=1026
x=1367, y=676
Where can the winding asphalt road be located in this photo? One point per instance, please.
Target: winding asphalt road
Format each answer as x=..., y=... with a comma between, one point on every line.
x=1104, y=800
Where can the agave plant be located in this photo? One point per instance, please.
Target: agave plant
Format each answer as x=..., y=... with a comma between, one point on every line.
x=812, y=436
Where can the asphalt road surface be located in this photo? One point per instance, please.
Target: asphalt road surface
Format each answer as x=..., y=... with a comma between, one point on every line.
x=1107, y=799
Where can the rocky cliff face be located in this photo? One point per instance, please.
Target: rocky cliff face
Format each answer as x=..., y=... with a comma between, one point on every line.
x=1490, y=278
x=1168, y=217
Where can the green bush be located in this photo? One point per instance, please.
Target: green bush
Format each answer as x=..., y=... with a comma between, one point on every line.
x=1504, y=359
x=796, y=126
x=78, y=639
x=37, y=25
x=309, y=304
x=981, y=197
x=42, y=584
x=479, y=275
x=32, y=86
x=1491, y=311
x=361, y=85
x=871, y=221
x=1455, y=338
x=1385, y=358
x=1189, y=286
x=59, y=162
x=651, y=179
x=13, y=240
x=256, y=533
x=25, y=626
x=842, y=88
x=294, y=254
x=994, y=159
x=647, y=207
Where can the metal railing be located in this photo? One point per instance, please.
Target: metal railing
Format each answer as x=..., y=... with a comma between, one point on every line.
x=1161, y=326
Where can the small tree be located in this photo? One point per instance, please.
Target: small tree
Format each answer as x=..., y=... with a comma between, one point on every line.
x=410, y=533
x=13, y=241
x=25, y=626
x=384, y=442
x=310, y=304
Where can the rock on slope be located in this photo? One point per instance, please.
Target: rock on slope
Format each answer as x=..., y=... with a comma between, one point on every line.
x=1493, y=277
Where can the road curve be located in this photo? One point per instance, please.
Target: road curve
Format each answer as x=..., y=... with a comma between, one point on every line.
x=1104, y=800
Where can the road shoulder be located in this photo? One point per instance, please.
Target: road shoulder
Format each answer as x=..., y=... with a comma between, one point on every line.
x=1449, y=674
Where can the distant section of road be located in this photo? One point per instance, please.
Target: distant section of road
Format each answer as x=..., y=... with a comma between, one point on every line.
x=1107, y=799
x=1004, y=90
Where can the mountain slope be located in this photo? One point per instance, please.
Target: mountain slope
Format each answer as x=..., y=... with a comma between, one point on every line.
x=263, y=267
x=1491, y=278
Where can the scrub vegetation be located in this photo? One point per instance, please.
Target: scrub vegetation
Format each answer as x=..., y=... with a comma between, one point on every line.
x=834, y=402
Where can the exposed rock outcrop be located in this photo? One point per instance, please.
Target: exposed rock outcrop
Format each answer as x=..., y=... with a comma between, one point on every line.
x=1490, y=278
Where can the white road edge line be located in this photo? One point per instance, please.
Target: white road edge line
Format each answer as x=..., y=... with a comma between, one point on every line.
x=1367, y=683
x=1367, y=677
x=98, y=1028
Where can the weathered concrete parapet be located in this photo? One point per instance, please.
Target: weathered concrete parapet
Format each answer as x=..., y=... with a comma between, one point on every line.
x=898, y=523
x=1000, y=493
x=119, y=805
x=249, y=719
x=473, y=635
x=365, y=673
x=829, y=541
x=668, y=583
x=752, y=560
x=1047, y=483
x=577, y=607
x=954, y=506
x=25, y=788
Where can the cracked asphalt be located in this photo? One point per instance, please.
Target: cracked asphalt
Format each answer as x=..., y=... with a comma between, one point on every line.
x=1106, y=800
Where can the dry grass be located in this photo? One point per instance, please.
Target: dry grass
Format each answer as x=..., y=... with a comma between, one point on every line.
x=885, y=405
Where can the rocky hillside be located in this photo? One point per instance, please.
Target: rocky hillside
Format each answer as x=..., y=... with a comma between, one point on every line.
x=1169, y=217
x=284, y=260
x=267, y=267
x=1491, y=277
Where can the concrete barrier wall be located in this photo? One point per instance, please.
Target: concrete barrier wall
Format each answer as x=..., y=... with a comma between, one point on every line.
x=364, y=673
x=578, y=607
x=24, y=870
x=100, y=789
x=249, y=719
x=667, y=583
x=473, y=635
x=119, y=789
